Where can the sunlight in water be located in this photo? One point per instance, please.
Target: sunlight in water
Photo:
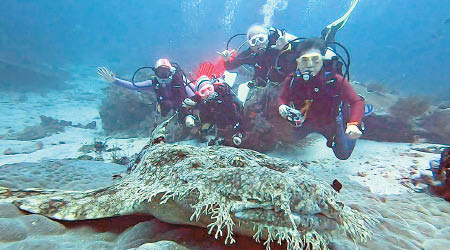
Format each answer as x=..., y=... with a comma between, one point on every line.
x=269, y=8
x=193, y=10
x=230, y=10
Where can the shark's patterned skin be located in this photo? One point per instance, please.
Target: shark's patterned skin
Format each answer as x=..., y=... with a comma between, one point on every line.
x=227, y=190
x=224, y=189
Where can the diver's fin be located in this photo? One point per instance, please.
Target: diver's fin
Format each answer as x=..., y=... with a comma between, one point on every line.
x=205, y=69
x=67, y=205
x=368, y=109
x=329, y=32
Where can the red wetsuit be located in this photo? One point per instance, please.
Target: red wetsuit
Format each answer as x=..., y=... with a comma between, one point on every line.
x=224, y=110
x=264, y=62
x=325, y=97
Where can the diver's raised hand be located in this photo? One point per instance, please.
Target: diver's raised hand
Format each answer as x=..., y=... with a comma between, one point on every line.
x=281, y=42
x=106, y=74
x=284, y=110
x=227, y=54
x=353, y=131
x=189, y=120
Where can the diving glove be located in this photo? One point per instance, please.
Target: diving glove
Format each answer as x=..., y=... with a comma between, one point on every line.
x=227, y=54
x=281, y=42
x=106, y=74
x=353, y=131
x=189, y=121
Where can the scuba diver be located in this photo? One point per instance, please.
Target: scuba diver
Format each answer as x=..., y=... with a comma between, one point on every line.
x=318, y=98
x=169, y=84
x=267, y=44
x=214, y=103
x=264, y=47
x=440, y=185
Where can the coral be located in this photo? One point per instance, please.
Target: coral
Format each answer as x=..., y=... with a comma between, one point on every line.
x=387, y=128
x=226, y=190
x=410, y=107
x=263, y=127
x=437, y=126
x=128, y=112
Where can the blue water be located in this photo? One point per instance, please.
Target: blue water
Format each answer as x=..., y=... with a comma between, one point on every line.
x=403, y=44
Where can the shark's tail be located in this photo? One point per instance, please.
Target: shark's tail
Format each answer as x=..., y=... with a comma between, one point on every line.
x=66, y=205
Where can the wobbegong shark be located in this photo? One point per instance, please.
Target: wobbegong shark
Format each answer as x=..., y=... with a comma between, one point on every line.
x=226, y=190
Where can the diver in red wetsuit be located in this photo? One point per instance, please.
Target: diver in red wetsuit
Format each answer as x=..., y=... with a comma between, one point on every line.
x=169, y=84
x=214, y=103
x=265, y=45
x=317, y=98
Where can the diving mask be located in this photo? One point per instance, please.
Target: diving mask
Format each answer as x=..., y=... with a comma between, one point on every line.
x=207, y=91
x=257, y=39
x=310, y=63
x=163, y=75
x=163, y=72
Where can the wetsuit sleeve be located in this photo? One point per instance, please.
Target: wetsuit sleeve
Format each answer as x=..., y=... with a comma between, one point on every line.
x=129, y=85
x=350, y=96
x=240, y=59
x=284, y=97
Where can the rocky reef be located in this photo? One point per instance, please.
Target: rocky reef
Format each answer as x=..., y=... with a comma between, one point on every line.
x=264, y=128
x=226, y=190
x=128, y=113
x=409, y=119
x=46, y=127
